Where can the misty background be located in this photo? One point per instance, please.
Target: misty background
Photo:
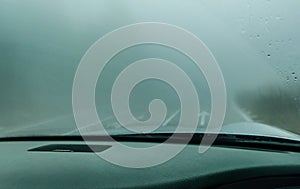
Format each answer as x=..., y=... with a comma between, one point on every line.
x=256, y=43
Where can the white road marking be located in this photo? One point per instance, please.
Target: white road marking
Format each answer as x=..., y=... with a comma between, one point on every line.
x=38, y=124
x=170, y=118
x=86, y=126
x=202, y=115
x=244, y=115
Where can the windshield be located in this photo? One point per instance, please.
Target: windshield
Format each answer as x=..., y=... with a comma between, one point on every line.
x=254, y=43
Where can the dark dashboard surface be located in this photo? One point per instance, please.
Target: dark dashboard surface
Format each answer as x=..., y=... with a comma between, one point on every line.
x=218, y=167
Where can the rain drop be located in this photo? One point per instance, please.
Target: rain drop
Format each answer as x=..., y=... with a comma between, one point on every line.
x=243, y=31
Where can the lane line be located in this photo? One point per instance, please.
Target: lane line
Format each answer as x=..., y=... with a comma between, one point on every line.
x=38, y=124
x=86, y=126
x=171, y=117
x=244, y=115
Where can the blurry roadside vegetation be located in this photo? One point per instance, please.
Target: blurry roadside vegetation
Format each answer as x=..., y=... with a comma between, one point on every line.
x=276, y=106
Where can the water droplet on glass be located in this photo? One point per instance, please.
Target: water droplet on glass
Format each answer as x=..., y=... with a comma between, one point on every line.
x=243, y=31
x=268, y=55
x=295, y=78
x=266, y=20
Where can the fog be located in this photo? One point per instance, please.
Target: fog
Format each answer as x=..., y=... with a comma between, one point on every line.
x=256, y=44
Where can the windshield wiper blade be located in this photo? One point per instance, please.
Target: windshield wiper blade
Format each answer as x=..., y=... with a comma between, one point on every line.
x=222, y=140
x=258, y=142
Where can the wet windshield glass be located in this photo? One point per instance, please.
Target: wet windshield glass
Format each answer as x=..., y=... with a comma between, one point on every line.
x=255, y=43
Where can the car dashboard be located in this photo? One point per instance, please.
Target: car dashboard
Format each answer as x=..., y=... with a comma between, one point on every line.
x=47, y=164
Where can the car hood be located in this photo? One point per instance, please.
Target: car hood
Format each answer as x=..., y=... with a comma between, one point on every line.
x=66, y=125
